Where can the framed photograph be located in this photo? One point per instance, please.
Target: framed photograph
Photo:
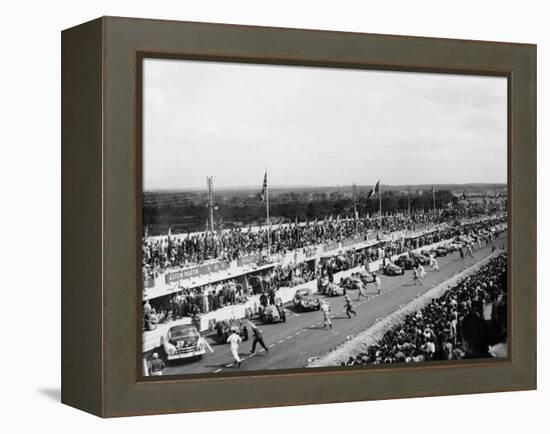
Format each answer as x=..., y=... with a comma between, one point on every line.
x=262, y=217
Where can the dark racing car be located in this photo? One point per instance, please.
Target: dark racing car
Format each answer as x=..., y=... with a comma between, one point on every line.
x=420, y=258
x=351, y=282
x=390, y=269
x=304, y=300
x=224, y=328
x=405, y=262
x=273, y=313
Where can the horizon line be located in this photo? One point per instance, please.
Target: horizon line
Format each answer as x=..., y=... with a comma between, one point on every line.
x=248, y=187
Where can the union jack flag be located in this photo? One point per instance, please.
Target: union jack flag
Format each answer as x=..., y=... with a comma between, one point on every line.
x=264, y=188
x=375, y=189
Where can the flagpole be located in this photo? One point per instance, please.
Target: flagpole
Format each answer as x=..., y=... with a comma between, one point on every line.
x=433, y=198
x=267, y=215
x=380, y=203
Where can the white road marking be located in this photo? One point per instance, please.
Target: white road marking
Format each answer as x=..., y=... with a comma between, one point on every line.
x=208, y=345
x=281, y=341
x=272, y=345
x=217, y=370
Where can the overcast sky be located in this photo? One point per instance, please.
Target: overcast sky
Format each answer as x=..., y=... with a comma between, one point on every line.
x=318, y=126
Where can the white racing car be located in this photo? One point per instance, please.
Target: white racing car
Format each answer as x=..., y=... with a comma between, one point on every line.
x=183, y=341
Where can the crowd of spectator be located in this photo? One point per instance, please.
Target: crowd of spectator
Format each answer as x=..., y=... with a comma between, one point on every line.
x=191, y=302
x=468, y=321
x=161, y=253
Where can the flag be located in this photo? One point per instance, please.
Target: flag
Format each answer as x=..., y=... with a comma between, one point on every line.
x=375, y=190
x=264, y=188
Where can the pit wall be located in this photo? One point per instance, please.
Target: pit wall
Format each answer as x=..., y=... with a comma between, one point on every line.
x=151, y=339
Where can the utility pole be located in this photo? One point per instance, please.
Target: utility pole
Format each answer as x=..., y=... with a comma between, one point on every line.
x=354, y=196
x=409, y=200
x=380, y=203
x=210, y=205
x=267, y=215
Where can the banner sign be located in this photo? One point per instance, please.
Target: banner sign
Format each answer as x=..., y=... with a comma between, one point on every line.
x=197, y=270
x=398, y=235
x=181, y=275
x=251, y=259
x=312, y=251
x=330, y=246
x=350, y=241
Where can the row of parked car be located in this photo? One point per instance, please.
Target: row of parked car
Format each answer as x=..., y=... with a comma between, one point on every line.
x=410, y=260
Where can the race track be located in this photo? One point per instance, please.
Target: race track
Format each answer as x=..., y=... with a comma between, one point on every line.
x=303, y=336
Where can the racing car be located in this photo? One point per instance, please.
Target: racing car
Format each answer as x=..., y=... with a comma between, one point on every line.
x=182, y=342
x=304, y=300
x=420, y=258
x=273, y=313
x=439, y=251
x=333, y=290
x=405, y=262
x=224, y=329
x=351, y=282
x=390, y=269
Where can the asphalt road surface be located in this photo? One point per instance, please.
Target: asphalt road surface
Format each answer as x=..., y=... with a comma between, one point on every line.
x=303, y=335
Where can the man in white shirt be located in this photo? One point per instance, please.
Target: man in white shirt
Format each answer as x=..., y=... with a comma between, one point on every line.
x=234, y=340
x=421, y=271
x=377, y=282
x=325, y=308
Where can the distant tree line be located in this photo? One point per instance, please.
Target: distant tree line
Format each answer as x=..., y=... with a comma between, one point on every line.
x=189, y=215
